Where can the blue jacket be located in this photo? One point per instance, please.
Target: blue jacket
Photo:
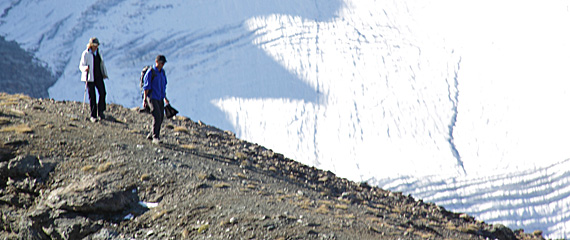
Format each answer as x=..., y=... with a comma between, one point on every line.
x=157, y=85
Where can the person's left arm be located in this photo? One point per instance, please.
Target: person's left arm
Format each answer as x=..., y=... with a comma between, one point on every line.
x=103, y=68
x=165, y=83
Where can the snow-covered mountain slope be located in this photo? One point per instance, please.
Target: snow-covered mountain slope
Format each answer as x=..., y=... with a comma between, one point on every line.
x=384, y=91
x=532, y=199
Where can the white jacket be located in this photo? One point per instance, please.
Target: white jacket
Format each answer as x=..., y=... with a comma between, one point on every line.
x=87, y=61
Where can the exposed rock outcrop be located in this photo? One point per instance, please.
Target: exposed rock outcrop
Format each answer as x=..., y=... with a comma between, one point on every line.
x=20, y=72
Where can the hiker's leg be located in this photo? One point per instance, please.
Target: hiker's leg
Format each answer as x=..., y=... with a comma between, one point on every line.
x=102, y=106
x=157, y=120
x=161, y=111
x=92, y=99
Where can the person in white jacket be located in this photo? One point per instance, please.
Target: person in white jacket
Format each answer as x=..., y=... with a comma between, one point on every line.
x=93, y=72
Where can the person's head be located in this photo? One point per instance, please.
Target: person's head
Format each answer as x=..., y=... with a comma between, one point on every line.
x=160, y=61
x=93, y=43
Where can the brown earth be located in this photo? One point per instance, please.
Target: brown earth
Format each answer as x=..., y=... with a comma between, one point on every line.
x=63, y=177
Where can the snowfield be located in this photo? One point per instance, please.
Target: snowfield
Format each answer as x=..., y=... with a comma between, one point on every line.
x=456, y=102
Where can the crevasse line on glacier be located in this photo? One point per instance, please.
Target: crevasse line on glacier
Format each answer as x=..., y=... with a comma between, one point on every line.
x=454, y=99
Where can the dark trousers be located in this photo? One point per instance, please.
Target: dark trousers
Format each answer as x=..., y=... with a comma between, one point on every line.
x=158, y=115
x=97, y=108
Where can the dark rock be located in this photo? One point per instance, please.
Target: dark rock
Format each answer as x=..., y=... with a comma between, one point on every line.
x=24, y=228
x=3, y=171
x=25, y=185
x=202, y=186
x=73, y=228
x=99, y=194
x=312, y=232
x=16, y=143
x=9, y=199
x=352, y=197
x=5, y=154
x=501, y=232
x=22, y=166
x=103, y=234
x=18, y=199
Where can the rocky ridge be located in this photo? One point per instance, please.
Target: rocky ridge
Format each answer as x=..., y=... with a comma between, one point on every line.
x=21, y=72
x=63, y=177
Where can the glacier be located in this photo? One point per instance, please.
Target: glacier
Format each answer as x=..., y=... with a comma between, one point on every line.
x=456, y=102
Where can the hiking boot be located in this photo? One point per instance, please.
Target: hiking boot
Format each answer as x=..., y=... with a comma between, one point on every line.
x=156, y=141
x=93, y=120
x=101, y=116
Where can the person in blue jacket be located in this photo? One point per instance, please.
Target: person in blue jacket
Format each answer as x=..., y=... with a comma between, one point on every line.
x=155, y=96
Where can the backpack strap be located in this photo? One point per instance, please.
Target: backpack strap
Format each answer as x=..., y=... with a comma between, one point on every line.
x=152, y=74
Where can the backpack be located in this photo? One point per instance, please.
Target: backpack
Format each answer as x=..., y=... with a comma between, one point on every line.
x=143, y=73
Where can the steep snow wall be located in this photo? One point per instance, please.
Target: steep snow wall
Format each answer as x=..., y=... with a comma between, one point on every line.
x=380, y=90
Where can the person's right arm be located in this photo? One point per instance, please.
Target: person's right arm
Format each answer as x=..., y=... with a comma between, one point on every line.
x=83, y=66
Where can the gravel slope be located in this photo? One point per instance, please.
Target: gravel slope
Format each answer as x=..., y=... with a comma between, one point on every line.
x=63, y=177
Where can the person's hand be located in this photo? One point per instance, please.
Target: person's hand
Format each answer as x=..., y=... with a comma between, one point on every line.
x=166, y=101
x=87, y=70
